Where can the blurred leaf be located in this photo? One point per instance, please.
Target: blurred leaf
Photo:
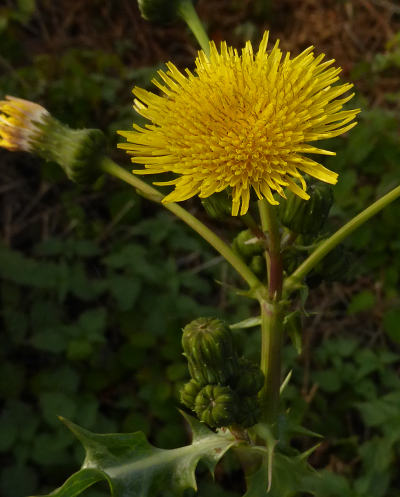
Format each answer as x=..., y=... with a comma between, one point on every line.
x=391, y=324
x=328, y=380
x=362, y=301
x=54, y=404
x=79, y=349
x=17, y=480
x=125, y=290
x=8, y=431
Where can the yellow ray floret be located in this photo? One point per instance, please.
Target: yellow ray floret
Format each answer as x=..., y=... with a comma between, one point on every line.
x=241, y=121
x=18, y=122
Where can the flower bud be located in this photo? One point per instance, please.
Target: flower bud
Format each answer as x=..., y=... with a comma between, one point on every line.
x=216, y=405
x=307, y=216
x=218, y=206
x=19, y=123
x=209, y=348
x=29, y=127
x=291, y=259
x=258, y=266
x=246, y=244
x=249, y=411
x=189, y=393
x=159, y=11
x=250, y=378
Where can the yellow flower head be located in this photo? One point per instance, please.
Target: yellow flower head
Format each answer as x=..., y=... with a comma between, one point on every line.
x=18, y=122
x=241, y=122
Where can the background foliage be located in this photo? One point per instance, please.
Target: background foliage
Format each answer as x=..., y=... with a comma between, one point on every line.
x=96, y=285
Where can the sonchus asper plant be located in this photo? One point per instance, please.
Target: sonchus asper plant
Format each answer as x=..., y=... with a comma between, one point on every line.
x=239, y=132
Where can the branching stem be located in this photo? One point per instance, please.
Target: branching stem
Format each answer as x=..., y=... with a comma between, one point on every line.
x=295, y=280
x=214, y=240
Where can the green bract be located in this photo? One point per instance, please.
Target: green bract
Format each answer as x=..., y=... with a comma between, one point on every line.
x=217, y=206
x=249, y=411
x=247, y=244
x=250, y=378
x=77, y=151
x=307, y=216
x=189, y=393
x=257, y=265
x=216, y=405
x=209, y=348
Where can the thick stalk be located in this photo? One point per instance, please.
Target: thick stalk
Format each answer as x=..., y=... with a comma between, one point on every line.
x=296, y=278
x=189, y=15
x=270, y=226
x=271, y=315
x=271, y=350
x=220, y=246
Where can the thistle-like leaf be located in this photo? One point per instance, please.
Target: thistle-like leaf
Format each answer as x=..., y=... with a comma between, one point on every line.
x=133, y=467
x=290, y=477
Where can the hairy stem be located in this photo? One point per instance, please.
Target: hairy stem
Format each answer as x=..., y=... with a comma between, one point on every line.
x=294, y=281
x=215, y=241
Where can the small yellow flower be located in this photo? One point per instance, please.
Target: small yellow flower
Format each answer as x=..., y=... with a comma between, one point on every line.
x=19, y=121
x=241, y=122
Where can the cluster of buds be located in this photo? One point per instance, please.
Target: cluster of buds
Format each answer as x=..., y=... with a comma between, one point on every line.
x=224, y=388
x=251, y=249
x=29, y=127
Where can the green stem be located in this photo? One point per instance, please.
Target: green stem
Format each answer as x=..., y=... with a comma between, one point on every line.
x=220, y=246
x=269, y=223
x=295, y=279
x=271, y=315
x=271, y=349
x=189, y=15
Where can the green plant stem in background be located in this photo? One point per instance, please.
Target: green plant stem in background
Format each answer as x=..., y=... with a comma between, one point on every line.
x=294, y=281
x=151, y=193
x=189, y=15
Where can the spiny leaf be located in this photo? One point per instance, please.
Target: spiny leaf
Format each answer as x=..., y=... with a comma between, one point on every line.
x=290, y=477
x=133, y=467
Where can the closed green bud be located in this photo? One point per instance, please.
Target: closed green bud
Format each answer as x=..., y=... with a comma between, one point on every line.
x=216, y=405
x=249, y=411
x=258, y=266
x=250, y=378
x=247, y=244
x=210, y=351
x=307, y=216
x=159, y=11
x=189, y=393
x=218, y=206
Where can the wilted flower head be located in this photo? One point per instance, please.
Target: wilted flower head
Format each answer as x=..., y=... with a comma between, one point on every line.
x=241, y=122
x=19, y=120
x=27, y=126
